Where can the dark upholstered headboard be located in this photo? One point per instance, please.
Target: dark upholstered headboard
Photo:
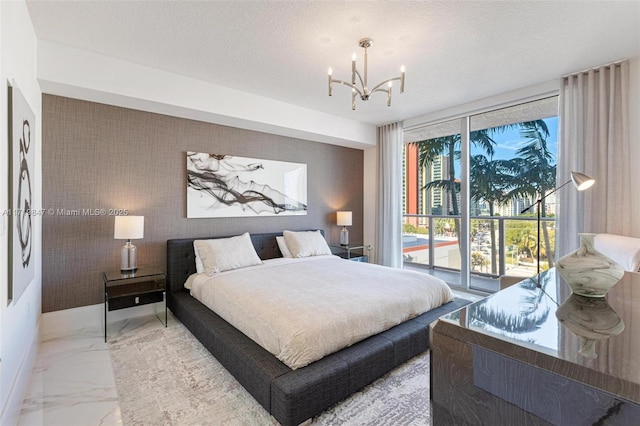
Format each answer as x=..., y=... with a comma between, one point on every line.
x=181, y=259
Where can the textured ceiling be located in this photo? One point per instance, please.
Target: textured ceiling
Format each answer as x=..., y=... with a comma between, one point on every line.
x=454, y=51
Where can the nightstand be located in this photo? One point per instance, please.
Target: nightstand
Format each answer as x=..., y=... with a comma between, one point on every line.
x=145, y=285
x=356, y=252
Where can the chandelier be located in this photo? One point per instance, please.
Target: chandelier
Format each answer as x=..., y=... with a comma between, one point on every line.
x=363, y=90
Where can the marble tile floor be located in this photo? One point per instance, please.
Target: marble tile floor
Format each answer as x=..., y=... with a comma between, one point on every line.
x=72, y=382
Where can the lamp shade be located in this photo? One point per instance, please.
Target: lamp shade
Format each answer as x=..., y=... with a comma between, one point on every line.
x=581, y=181
x=343, y=218
x=128, y=227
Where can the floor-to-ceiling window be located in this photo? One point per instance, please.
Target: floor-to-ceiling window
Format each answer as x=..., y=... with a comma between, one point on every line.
x=432, y=197
x=478, y=173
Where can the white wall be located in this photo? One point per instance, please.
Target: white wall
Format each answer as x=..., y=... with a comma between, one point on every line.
x=80, y=74
x=18, y=320
x=502, y=100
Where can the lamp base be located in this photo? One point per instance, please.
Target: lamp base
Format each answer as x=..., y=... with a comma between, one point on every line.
x=344, y=236
x=128, y=261
x=587, y=271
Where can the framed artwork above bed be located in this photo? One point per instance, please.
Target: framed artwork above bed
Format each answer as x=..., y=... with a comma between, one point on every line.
x=221, y=185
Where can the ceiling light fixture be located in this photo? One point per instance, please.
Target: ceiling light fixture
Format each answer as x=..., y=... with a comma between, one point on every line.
x=363, y=90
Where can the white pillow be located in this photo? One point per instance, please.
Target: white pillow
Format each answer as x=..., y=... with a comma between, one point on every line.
x=189, y=283
x=282, y=245
x=199, y=265
x=625, y=251
x=306, y=243
x=223, y=254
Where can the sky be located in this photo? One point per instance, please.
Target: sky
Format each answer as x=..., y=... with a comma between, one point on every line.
x=509, y=141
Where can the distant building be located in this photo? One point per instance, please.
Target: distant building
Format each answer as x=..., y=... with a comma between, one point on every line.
x=417, y=200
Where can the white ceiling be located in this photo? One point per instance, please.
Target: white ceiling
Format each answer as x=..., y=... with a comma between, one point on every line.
x=454, y=51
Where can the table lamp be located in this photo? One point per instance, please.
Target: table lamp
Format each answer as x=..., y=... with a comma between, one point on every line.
x=344, y=219
x=128, y=228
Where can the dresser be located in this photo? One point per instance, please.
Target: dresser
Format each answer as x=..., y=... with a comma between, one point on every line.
x=534, y=354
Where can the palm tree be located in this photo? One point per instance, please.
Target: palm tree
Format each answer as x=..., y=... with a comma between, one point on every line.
x=534, y=171
x=446, y=146
x=489, y=181
x=449, y=147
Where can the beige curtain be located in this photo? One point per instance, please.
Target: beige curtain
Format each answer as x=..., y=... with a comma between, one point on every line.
x=389, y=213
x=594, y=140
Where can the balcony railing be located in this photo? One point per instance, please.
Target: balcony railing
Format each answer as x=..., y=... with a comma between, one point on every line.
x=498, y=245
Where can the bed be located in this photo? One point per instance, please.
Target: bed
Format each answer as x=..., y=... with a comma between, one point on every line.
x=290, y=395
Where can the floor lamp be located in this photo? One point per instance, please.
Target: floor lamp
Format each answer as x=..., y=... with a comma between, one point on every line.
x=580, y=181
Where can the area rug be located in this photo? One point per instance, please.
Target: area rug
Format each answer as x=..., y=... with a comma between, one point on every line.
x=164, y=376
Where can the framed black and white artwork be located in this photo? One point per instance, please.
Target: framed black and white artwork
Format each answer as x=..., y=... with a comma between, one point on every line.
x=22, y=133
x=229, y=186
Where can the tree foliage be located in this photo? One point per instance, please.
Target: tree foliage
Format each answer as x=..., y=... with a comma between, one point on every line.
x=529, y=175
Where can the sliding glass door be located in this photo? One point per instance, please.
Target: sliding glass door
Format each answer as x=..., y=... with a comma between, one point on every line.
x=467, y=184
x=432, y=207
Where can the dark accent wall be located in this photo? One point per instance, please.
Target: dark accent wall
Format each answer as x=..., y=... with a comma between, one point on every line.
x=99, y=156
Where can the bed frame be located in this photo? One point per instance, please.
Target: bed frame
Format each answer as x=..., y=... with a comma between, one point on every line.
x=291, y=396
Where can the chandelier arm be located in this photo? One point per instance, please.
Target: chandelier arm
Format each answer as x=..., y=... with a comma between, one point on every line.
x=383, y=83
x=346, y=83
x=380, y=90
x=361, y=83
x=387, y=91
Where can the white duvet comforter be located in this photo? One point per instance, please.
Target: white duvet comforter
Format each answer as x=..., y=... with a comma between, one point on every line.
x=303, y=309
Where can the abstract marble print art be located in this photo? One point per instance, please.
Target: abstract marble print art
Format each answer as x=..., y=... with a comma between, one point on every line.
x=229, y=186
x=22, y=140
